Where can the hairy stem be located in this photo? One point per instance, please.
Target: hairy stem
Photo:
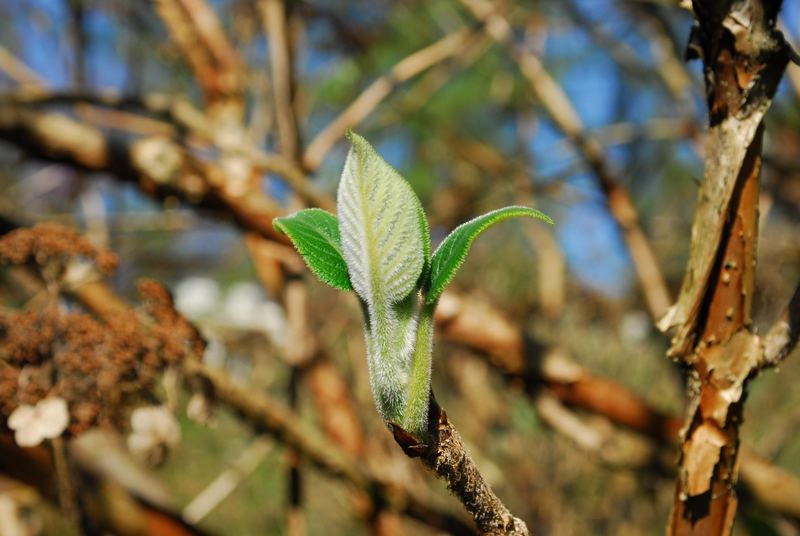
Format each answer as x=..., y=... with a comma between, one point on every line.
x=415, y=413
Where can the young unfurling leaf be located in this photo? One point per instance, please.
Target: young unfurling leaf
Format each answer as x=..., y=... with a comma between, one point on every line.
x=380, y=248
x=383, y=237
x=450, y=254
x=315, y=234
x=385, y=244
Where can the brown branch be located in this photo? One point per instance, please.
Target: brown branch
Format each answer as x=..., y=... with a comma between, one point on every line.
x=477, y=325
x=173, y=116
x=196, y=30
x=120, y=505
x=269, y=417
x=15, y=69
x=447, y=457
x=273, y=14
x=782, y=338
x=560, y=110
x=744, y=57
x=447, y=47
x=160, y=167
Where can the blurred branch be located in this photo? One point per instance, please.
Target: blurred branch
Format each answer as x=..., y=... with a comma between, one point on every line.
x=273, y=14
x=227, y=481
x=479, y=326
x=560, y=110
x=782, y=338
x=671, y=72
x=267, y=416
x=196, y=30
x=15, y=69
x=176, y=116
x=447, y=47
x=666, y=52
x=159, y=166
x=658, y=128
x=120, y=496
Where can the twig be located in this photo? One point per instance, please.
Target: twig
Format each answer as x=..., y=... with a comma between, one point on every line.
x=66, y=489
x=227, y=481
x=18, y=71
x=273, y=14
x=448, y=46
x=270, y=417
x=782, y=338
x=558, y=107
x=448, y=458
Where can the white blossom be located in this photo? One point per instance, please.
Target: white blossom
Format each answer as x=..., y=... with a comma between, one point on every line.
x=154, y=431
x=33, y=424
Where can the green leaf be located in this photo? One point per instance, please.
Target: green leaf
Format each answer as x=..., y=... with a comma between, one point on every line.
x=450, y=254
x=383, y=239
x=386, y=246
x=315, y=234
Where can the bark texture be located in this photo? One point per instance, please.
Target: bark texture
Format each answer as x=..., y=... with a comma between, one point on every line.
x=446, y=456
x=744, y=57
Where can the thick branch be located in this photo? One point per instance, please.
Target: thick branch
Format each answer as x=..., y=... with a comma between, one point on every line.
x=159, y=166
x=744, y=57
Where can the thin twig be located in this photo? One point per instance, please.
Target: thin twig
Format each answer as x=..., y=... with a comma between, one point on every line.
x=273, y=14
x=446, y=455
x=269, y=417
x=66, y=488
x=447, y=47
x=227, y=481
x=18, y=71
x=558, y=107
x=782, y=338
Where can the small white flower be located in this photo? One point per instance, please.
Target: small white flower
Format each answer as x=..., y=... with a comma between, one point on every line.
x=33, y=424
x=154, y=431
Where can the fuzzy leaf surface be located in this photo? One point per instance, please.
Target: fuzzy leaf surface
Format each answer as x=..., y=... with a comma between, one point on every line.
x=383, y=238
x=450, y=254
x=315, y=234
x=386, y=247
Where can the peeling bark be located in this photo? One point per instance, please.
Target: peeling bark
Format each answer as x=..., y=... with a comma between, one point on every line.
x=743, y=57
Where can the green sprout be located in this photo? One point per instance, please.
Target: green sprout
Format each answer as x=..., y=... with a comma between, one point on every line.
x=380, y=248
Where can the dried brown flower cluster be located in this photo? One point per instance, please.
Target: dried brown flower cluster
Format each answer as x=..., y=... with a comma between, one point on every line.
x=100, y=367
x=52, y=245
